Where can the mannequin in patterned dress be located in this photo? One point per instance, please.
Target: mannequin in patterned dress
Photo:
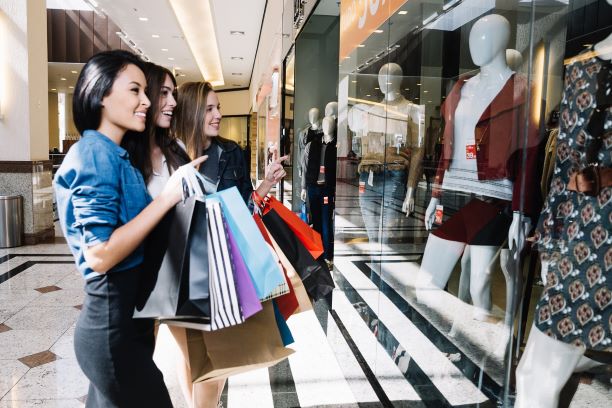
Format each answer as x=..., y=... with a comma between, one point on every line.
x=574, y=314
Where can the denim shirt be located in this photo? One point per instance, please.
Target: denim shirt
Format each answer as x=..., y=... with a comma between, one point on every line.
x=98, y=190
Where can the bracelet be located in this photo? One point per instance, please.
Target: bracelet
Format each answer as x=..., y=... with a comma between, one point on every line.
x=257, y=198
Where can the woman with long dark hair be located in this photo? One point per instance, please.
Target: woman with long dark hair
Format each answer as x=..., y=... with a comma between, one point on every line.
x=105, y=214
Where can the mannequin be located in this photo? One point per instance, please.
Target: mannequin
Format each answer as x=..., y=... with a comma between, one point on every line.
x=331, y=110
x=468, y=157
x=514, y=59
x=306, y=135
x=392, y=148
x=319, y=183
x=573, y=316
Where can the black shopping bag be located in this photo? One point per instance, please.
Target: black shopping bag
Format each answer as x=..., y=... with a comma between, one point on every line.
x=315, y=275
x=175, y=276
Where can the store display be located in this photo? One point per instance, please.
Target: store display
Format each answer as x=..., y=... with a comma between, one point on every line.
x=312, y=130
x=482, y=156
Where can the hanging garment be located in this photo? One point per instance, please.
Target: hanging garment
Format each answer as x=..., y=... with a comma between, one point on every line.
x=573, y=233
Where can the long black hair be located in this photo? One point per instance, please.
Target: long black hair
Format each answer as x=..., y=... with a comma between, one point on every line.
x=95, y=82
x=138, y=144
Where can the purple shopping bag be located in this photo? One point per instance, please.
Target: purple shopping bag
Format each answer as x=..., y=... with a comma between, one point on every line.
x=247, y=296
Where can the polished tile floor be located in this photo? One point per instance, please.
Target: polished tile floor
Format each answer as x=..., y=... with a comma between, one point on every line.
x=377, y=346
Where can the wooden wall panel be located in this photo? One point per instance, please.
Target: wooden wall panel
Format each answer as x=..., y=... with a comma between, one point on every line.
x=114, y=42
x=86, y=28
x=72, y=36
x=58, y=26
x=100, y=34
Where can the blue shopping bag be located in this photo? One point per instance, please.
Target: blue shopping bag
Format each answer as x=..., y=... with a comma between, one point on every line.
x=304, y=214
x=256, y=253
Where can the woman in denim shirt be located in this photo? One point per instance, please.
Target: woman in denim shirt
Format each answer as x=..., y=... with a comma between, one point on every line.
x=105, y=214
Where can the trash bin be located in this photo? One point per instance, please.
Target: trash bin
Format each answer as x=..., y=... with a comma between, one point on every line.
x=11, y=220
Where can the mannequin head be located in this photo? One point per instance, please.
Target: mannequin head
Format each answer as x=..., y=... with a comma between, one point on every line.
x=390, y=78
x=514, y=59
x=489, y=38
x=328, y=125
x=313, y=116
x=331, y=109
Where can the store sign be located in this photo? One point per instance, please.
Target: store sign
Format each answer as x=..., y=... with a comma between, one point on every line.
x=359, y=19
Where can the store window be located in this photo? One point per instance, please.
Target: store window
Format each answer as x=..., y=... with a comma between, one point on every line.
x=459, y=122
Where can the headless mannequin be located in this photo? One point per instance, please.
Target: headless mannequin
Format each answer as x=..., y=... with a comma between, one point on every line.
x=488, y=40
x=331, y=110
x=547, y=364
x=313, y=123
x=328, y=126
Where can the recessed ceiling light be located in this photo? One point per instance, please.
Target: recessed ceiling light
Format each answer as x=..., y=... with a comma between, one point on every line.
x=236, y=73
x=354, y=82
x=418, y=84
x=428, y=101
x=155, y=35
x=406, y=89
x=71, y=87
x=177, y=68
x=75, y=72
x=62, y=79
x=368, y=95
x=143, y=18
x=389, y=83
x=53, y=89
x=425, y=91
x=376, y=88
x=164, y=49
x=378, y=31
x=237, y=58
x=236, y=32
x=361, y=45
x=403, y=12
x=171, y=59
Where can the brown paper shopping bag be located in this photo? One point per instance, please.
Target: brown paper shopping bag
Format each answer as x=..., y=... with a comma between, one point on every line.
x=254, y=344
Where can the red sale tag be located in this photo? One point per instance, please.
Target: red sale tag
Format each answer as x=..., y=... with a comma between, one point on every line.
x=322, y=169
x=470, y=151
x=361, y=187
x=439, y=214
x=325, y=200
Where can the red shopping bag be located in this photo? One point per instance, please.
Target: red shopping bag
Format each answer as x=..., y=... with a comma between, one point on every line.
x=287, y=303
x=307, y=236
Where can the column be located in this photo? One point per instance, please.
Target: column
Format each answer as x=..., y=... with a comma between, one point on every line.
x=25, y=168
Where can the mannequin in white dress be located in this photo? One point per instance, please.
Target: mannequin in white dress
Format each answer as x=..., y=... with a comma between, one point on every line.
x=488, y=41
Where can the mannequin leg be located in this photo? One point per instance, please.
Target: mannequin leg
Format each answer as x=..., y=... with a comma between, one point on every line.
x=463, y=292
x=482, y=257
x=439, y=259
x=514, y=284
x=545, y=367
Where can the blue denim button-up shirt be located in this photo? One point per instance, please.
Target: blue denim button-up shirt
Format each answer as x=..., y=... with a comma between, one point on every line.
x=97, y=190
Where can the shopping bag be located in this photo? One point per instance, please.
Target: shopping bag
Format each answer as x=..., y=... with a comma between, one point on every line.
x=174, y=281
x=255, y=251
x=297, y=287
x=254, y=344
x=283, y=329
x=315, y=275
x=224, y=305
x=304, y=214
x=310, y=238
x=247, y=296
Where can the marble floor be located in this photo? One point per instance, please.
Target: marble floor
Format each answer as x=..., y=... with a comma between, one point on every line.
x=377, y=346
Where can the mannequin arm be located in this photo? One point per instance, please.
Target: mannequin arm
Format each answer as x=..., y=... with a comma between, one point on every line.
x=519, y=229
x=430, y=213
x=408, y=206
x=303, y=195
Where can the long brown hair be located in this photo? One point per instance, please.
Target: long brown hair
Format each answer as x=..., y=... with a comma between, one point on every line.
x=138, y=144
x=190, y=114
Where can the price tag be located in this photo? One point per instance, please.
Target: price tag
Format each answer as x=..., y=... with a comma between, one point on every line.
x=439, y=214
x=361, y=187
x=470, y=151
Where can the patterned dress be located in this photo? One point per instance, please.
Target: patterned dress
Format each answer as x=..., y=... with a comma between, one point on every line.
x=573, y=233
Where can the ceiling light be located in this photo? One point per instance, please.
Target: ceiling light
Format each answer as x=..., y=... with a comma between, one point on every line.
x=237, y=58
x=418, y=84
x=182, y=75
x=425, y=91
x=164, y=49
x=236, y=84
x=406, y=89
x=53, y=89
x=403, y=12
x=587, y=45
x=236, y=32
x=376, y=88
x=62, y=79
x=361, y=45
x=71, y=87
x=368, y=95
x=378, y=31
x=143, y=19
x=198, y=27
x=354, y=82
x=155, y=35
x=428, y=101
x=177, y=68
x=236, y=73
x=171, y=59
x=75, y=72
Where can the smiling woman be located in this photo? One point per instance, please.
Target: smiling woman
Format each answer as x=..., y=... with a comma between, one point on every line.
x=105, y=214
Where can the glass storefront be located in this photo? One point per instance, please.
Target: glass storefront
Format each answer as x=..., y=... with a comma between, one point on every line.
x=446, y=119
